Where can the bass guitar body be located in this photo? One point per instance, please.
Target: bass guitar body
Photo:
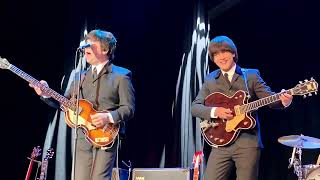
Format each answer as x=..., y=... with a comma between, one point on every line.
x=100, y=137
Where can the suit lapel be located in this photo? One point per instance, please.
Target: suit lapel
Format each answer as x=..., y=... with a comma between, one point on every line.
x=106, y=69
x=223, y=80
x=236, y=75
x=234, y=79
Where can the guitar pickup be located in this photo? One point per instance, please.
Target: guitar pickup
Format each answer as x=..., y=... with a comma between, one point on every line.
x=101, y=139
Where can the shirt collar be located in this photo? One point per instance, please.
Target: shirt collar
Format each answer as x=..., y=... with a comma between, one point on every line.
x=100, y=66
x=231, y=71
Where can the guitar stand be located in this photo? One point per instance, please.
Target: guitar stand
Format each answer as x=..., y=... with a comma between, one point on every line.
x=39, y=162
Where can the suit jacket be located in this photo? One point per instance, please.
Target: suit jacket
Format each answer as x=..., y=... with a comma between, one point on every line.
x=216, y=82
x=111, y=90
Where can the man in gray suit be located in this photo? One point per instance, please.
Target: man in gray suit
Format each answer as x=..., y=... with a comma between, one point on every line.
x=244, y=152
x=107, y=87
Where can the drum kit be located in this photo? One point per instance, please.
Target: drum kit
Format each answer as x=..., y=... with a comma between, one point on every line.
x=299, y=142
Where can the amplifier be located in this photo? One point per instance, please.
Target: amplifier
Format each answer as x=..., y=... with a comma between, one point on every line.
x=161, y=174
x=119, y=174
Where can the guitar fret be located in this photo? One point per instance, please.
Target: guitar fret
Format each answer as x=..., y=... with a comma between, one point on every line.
x=253, y=105
x=265, y=101
x=22, y=74
x=63, y=100
x=246, y=108
x=260, y=103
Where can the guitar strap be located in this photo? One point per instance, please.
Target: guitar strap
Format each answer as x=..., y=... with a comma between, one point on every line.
x=82, y=76
x=244, y=72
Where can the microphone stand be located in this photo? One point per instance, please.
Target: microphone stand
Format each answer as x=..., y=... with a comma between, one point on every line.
x=76, y=113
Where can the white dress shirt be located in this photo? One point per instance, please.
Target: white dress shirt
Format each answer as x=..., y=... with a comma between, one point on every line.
x=230, y=75
x=99, y=67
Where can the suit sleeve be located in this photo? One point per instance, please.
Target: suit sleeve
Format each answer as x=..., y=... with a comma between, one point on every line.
x=198, y=109
x=262, y=90
x=127, y=101
x=54, y=103
x=68, y=93
x=51, y=102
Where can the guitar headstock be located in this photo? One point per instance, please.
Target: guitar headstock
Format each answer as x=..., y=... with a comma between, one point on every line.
x=306, y=87
x=4, y=63
x=197, y=158
x=49, y=154
x=36, y=152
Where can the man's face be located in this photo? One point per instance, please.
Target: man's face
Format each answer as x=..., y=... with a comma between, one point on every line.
x=95, y=53
x=224, y=60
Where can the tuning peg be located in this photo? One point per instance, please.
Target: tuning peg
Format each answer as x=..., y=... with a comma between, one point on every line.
x=312, y=78
x=315, y=93
x=306, y=80
x=300, y=82
x=310, y=94
x=304, y=96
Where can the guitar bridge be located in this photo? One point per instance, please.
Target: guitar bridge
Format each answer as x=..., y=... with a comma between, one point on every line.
x=101, y=139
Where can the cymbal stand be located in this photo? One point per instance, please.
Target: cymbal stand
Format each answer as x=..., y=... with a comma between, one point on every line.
x=296, y=162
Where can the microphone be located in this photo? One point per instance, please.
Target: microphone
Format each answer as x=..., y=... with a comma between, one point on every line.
x=84, y=46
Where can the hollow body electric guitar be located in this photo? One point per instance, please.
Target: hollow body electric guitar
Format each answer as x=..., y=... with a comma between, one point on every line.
x=99, y=137
x=220, y=132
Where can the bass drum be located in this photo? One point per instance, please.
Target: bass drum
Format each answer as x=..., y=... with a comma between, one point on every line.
x=314, y=174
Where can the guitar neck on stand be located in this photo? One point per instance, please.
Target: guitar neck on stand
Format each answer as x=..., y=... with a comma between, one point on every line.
x=63, y=100
x=35, y=153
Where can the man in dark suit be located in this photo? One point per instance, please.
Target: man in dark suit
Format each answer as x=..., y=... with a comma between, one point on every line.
x=107, y=87
x=244, y=152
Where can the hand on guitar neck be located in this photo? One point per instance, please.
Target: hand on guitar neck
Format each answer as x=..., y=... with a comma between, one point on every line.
x=227, y=113
x=38, y=90
x=285, y=98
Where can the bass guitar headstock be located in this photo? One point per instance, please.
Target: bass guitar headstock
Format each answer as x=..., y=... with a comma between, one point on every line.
x=4, y=63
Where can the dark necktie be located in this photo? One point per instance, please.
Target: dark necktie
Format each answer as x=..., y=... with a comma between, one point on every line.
x=226, y=76
x=94, y=73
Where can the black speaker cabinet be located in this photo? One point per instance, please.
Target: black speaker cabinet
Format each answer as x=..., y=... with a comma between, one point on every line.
x=161, y=174
x=119, y=174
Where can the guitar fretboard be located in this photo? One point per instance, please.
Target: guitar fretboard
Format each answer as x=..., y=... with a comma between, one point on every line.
x=63, y=100
x=44, y=167
x=254, y=105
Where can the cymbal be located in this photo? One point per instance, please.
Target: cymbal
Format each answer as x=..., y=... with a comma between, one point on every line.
x=300, y=141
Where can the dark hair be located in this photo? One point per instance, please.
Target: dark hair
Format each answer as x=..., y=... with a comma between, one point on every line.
x=107, y=39
x=220, y=44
